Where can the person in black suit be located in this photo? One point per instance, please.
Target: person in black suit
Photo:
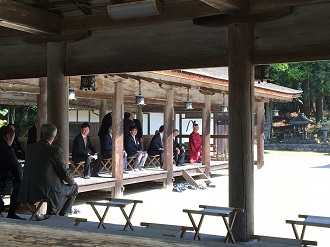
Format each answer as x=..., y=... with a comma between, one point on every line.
x=138, y=126
x=19, y=152
x=106, y=148
x=32, y=135
x=133, y=149
x=46, y=174
x=178, y=150
x=156, y=146
x=128, y=122
x=106, y=123
x=81, y=144
x=10, y=171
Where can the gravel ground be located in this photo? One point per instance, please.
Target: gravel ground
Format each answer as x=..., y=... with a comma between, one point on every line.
x=288, y=185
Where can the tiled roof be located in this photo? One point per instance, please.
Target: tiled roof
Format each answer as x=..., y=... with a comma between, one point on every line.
x=222, y=74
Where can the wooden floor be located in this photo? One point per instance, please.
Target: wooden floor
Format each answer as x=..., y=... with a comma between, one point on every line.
x=149, y=174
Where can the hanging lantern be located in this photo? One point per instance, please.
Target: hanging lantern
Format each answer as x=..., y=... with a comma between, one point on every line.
x=72, y=95
x=223, y=106
x=87, y=82
x=188, y=103
x=139, y=99
x=261, y=72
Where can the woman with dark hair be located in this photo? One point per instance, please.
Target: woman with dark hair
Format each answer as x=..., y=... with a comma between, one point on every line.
x=10, y=171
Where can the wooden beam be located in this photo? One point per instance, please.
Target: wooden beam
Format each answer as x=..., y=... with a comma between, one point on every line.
x=69, y=37
x=168, y=138
x=260, y=134
x=28, y=19
x=224, y=20
x=206, y=121
x=228, y=5
x=171, y=12
x=256, y=5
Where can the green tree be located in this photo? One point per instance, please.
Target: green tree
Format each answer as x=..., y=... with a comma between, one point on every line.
x=311, y=77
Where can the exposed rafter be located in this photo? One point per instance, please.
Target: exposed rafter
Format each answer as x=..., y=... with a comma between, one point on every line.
x=257, y=5
x=27, y=19
x=226, y=6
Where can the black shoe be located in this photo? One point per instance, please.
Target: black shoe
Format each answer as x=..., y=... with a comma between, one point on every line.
x=15, y=216
x=96, y=176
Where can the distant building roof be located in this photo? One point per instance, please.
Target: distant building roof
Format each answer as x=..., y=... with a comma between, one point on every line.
x=301, y=119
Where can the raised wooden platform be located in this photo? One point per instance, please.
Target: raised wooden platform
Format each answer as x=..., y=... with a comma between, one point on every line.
x=149, y=174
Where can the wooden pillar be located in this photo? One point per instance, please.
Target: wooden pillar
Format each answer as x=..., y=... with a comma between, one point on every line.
x=139, y=115
x=118, y=139
x=58, y=95
x=41, y=105
x=103, y=110
x=260, y=134
x=168, y=138
x=241, y=99
x=206, y=121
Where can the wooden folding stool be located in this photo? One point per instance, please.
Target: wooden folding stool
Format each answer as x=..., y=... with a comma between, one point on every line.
x=153, y=160
x=106, y=165
x=76, y=167
x=131, y=162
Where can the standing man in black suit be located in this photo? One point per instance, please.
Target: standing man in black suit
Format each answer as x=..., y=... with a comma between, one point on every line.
x=178, y=150
x=81, y=144
x=156, y=146
x=106, y=148
x=133, y=149
x=46, y=174
x=106, y=123
x=10, y=171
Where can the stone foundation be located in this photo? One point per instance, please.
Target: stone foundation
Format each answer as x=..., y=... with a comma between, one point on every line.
x=320, y=147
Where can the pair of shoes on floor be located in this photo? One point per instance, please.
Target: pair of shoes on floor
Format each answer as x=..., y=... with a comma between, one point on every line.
x=95, y=176
x=182, y=164
x=86, y=177
x=141, y=169
x=136, y=170
x=125, y=172
x=15, y=216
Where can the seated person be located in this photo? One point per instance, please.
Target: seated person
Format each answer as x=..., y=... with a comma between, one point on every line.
x=81, y=144
x=10, y=171
x=46, y=174
x=178, y=150
x=20, y=154
x=133, y=149
x=195, y=145
x=106, y=148
x=156, y=146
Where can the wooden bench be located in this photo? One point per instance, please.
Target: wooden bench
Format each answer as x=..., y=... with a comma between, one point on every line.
x=275, y=241
x=167, y=230
x=115, y=202
x=77, y=168
x=309, y=220
x=223, y=212
x=34, y=208
x=106, y=165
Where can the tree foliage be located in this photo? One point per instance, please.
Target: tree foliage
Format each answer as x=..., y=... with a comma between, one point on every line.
x=293, y=75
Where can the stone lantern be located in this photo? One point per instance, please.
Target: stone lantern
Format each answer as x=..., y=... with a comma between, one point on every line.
x=324, y=128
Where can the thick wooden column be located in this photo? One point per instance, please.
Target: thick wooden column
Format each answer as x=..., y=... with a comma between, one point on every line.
x=118, y=139
x=58, y=95
x=241, y=98
x=103, y=110
x=168, y=138
x=260, y=134
x=206, y=120
x=41, y=105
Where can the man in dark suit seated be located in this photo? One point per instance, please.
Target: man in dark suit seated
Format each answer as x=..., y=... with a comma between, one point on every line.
x=46, y=174
x=178, y=150
x=156, y=146
x=133, y=149
x=19, y=152
x=10, y=171
x=106, y=148
x=81, y=144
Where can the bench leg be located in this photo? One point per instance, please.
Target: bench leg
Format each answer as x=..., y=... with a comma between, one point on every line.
x=128, y=218
x=195, y=226
x=229, y=232
x=101, y=219
x=34, y=212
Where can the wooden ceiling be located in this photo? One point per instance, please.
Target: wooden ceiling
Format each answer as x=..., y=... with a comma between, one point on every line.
x=187, y=34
